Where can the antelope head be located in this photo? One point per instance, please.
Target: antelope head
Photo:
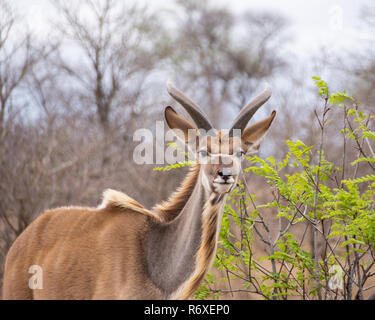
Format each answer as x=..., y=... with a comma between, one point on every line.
x=219, y=152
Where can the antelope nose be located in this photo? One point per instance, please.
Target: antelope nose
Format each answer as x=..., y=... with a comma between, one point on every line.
x=225, y=174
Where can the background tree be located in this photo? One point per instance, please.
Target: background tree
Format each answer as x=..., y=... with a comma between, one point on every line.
x=221, y=59
x=115, y=51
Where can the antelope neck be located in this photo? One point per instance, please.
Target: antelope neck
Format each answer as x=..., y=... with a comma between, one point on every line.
x=171, y=247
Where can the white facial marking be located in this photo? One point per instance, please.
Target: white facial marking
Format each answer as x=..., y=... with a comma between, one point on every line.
x=229, y=164
x=222, y=181
x=222, y=187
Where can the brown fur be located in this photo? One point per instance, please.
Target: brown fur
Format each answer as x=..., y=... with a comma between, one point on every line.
x=84, y=253
x=66, y=241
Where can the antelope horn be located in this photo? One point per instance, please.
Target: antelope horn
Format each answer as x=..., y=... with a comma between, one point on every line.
x=190, y=106
x=249, y=110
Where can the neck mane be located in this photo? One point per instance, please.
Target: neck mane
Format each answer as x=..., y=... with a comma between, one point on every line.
x=170, y=209
x=211, y=217
x=181, y=245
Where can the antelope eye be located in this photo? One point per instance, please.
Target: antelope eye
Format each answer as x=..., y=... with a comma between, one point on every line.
x=203, y=153
x=239, y=154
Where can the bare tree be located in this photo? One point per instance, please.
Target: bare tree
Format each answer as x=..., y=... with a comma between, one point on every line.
x=115, y=46
x=222, y=57
x=20, y=55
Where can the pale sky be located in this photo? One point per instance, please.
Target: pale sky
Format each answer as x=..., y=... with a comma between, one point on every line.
x=333, y=24
x=314, y=24
x=328, y=23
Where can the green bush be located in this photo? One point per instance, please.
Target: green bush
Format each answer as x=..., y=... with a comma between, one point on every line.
x=334, y=204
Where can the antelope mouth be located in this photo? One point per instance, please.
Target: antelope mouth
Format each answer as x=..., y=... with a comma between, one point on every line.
x=221, y=186
x=222, y=181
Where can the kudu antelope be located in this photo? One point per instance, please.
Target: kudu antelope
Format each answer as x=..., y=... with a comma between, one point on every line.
x=121, y=250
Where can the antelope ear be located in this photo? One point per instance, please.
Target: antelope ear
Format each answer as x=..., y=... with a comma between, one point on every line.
x=178, y=124
x=185, y=132
x=253, y=135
